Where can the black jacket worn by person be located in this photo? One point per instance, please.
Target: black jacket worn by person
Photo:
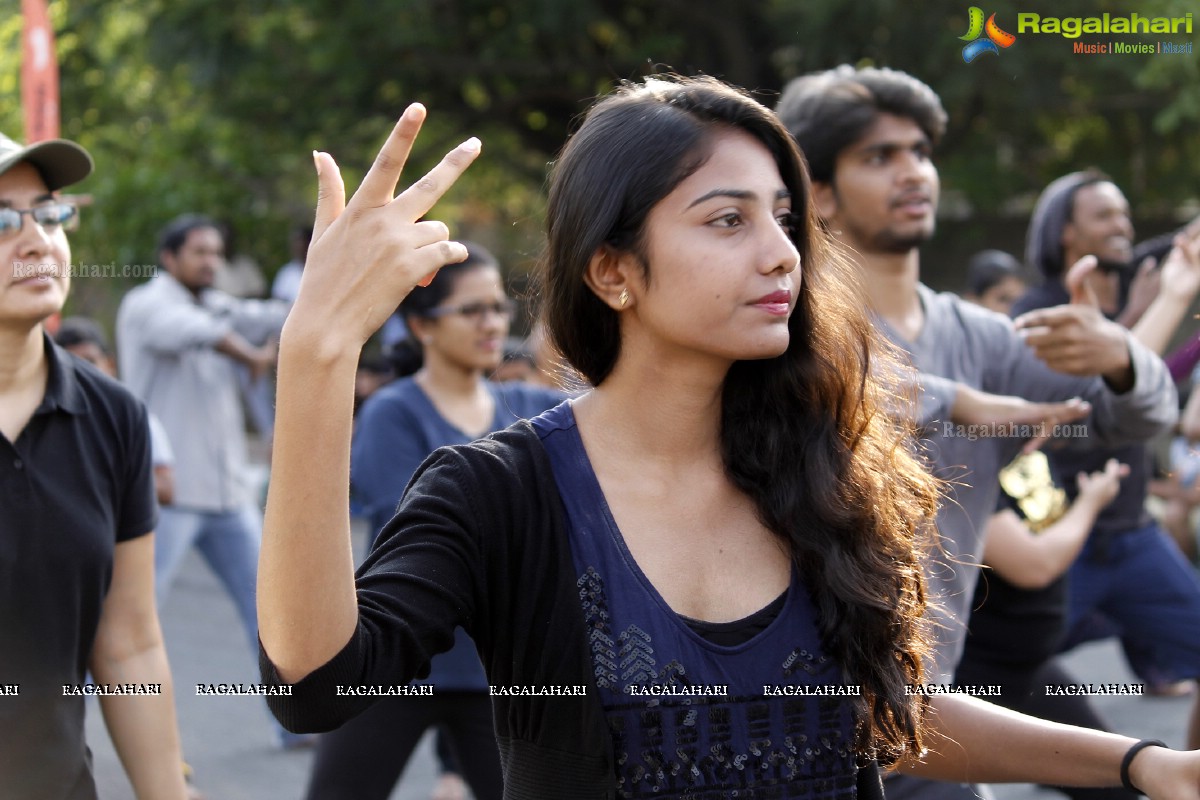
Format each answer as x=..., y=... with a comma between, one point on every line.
x=480, y=540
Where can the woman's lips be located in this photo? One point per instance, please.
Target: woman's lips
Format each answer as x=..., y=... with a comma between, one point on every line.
x=778, y=303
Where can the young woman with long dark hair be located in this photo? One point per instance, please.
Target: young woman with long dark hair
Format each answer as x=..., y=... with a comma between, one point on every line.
x=701, y=578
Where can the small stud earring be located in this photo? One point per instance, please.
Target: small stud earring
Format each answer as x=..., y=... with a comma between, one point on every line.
x=623, y=298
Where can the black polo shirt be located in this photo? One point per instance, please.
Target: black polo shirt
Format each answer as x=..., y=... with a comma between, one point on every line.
x=77, y=481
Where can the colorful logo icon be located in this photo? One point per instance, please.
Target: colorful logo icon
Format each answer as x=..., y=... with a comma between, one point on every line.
x=995, y=40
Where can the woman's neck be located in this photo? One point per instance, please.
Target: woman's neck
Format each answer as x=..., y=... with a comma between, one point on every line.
x=23, y=374
x=460, y=396
x=657, y=410
x=22, y=359
x=437, y=376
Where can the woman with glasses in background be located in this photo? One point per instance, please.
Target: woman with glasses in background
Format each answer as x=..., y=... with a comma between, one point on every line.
x=458, y=326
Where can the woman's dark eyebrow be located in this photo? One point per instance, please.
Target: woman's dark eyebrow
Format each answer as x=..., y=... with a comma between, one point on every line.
x=41, y=199
x=736, y=194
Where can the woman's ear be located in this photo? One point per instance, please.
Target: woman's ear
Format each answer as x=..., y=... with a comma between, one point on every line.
x=610, y=275
x=420, y=328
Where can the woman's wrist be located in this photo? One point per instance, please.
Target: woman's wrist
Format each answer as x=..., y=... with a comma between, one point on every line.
x=315, y=344
x=1132, y=767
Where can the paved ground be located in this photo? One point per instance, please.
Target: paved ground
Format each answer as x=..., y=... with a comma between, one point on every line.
x=229, y=741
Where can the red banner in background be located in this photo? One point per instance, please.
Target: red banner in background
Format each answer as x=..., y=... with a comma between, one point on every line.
x=39, y=73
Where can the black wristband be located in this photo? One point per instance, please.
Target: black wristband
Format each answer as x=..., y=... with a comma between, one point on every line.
x=1128, y=760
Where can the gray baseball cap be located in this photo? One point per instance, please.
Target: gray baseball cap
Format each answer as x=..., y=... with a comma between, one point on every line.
x=60, y=162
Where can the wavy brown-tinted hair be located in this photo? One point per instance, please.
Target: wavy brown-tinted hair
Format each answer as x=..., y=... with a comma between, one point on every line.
x=807, y=435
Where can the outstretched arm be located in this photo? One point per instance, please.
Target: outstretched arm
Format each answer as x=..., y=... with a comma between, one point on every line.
x=969, y=740
x=366, y=256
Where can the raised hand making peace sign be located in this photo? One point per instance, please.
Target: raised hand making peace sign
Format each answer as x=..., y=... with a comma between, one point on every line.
x=366, y=255
x=369, y=252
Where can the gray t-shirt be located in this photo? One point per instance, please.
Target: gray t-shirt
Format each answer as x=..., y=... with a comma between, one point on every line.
x=963, y=343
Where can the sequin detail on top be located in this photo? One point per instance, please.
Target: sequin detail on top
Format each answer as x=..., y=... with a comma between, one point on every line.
x=671, y=738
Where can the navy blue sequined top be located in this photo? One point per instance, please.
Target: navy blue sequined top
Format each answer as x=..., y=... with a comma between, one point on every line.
x=768, y=717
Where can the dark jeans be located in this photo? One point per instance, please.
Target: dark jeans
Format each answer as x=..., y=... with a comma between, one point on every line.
x=1147, y=590
x=363, y=759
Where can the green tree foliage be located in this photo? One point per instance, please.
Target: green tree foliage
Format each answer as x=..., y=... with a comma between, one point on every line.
x=216, y=105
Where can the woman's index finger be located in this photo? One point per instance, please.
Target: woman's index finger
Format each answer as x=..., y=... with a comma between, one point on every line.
x=379, y=186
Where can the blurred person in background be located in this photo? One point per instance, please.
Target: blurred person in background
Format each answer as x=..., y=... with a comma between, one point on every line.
x=994, y=280
x=180, y=346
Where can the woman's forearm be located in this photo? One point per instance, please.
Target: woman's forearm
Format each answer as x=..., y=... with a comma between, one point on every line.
x=1005, y=747
x=142, y=726
x=307, y=609
x=1034, y=560
x=972, y=741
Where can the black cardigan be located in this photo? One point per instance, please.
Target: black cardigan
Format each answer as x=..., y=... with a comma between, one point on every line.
x=480, y=541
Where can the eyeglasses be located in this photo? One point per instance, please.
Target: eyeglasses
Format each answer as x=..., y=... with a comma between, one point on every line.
x=475, y=312
x=49, y=215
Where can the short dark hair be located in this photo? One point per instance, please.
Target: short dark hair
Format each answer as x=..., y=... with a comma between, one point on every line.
x=74, y=331
x=988, y=268
x=831, y=110
x=176, y=232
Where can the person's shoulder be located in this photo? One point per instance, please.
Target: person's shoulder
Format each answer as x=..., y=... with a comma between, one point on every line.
x=143, y=292
x=220, y=301
x=516, y=442
x=95, y=383
x=527, y=398
x=399, y=405
x=101, y=393
x=947, y=307
x=504, y=473
x=503, y=455
x=400, y=393
x=160, y=294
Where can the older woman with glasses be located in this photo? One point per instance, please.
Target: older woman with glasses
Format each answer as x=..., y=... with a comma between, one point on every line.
x=76, y=519
x=458, y=327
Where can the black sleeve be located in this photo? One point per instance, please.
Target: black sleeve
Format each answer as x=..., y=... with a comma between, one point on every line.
x=422, y=579
x=137, y=508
